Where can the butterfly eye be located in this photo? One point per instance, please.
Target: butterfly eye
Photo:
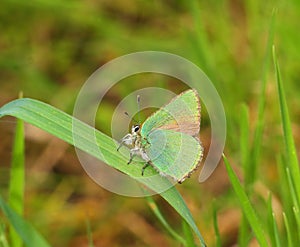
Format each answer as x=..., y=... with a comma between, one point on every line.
x=136, y=128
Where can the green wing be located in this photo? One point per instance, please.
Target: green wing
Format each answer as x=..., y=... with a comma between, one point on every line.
x=173, y=153
x=181, y=114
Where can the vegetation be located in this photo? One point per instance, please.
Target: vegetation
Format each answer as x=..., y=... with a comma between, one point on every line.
x=248, y=49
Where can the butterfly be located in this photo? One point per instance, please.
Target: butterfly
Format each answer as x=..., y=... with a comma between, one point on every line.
x=168, y=140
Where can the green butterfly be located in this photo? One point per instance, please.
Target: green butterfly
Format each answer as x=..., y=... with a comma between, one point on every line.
x=169, y=139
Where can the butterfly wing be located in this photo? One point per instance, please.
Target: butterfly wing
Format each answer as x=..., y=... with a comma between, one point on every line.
x=181, y=114
x=172, y=134
x=173, y=153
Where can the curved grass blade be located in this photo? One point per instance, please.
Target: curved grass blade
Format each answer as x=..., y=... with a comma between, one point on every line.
x=60, y=124
x=247, y=208
x=27, y=233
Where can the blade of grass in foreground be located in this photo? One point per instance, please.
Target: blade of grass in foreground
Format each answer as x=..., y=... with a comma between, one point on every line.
x=159, y=215
x=17, y=183
x=243, y=237
x=273, y=228
x=294, y=200
x=259, y=125
x=288, y=230
x=250, y=158
x=287, y=194
x=27, y=233
x=247, y=208
x=188, y=235
x=216, y=228
x=287, y=132
x=3, y=240
x=244, y=141
x=61, y=125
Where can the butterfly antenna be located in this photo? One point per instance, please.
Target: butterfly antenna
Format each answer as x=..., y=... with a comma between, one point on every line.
x=138, y=120
x=130, y=117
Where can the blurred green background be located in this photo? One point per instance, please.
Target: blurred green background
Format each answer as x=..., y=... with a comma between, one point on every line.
x=48, y=49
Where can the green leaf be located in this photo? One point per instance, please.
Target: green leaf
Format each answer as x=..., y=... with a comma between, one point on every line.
x=3, y=240
x=288, y=230
x=27, y=233
x=16, y=185
x=188, y=235
x=287, y=132
x=216, y=228
x=273, y=228
x=61, y=125
x=294, y=201
x=250, y=154
x=17, y=180
x=247, y=208
x=244, y=232
x=163, y=221
x=259, y=125
x=288, y=196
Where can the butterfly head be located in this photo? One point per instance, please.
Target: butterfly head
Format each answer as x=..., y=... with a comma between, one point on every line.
x=135, y=129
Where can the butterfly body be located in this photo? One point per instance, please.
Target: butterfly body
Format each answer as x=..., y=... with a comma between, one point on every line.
x=169, y=139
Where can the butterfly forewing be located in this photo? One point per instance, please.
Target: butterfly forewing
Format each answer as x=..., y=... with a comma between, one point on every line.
x=182, y=114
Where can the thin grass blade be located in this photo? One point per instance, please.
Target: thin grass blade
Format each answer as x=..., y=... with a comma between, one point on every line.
x=3, y=239
x=288, y=230
x=188, y=235
x=294, y=202
x=287, y=194
x=259, y=126
x=273, y=228
x=244, y=140
x=287, y=132
x=243, y=237
x=17, y=180
x=247, y=208
x=26, y=232
x=216, y=227
x=297, y=217
x=153, y=206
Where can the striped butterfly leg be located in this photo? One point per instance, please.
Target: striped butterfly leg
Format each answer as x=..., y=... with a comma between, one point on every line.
x=144, y=167
x=138, y=151
x=134, y=152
